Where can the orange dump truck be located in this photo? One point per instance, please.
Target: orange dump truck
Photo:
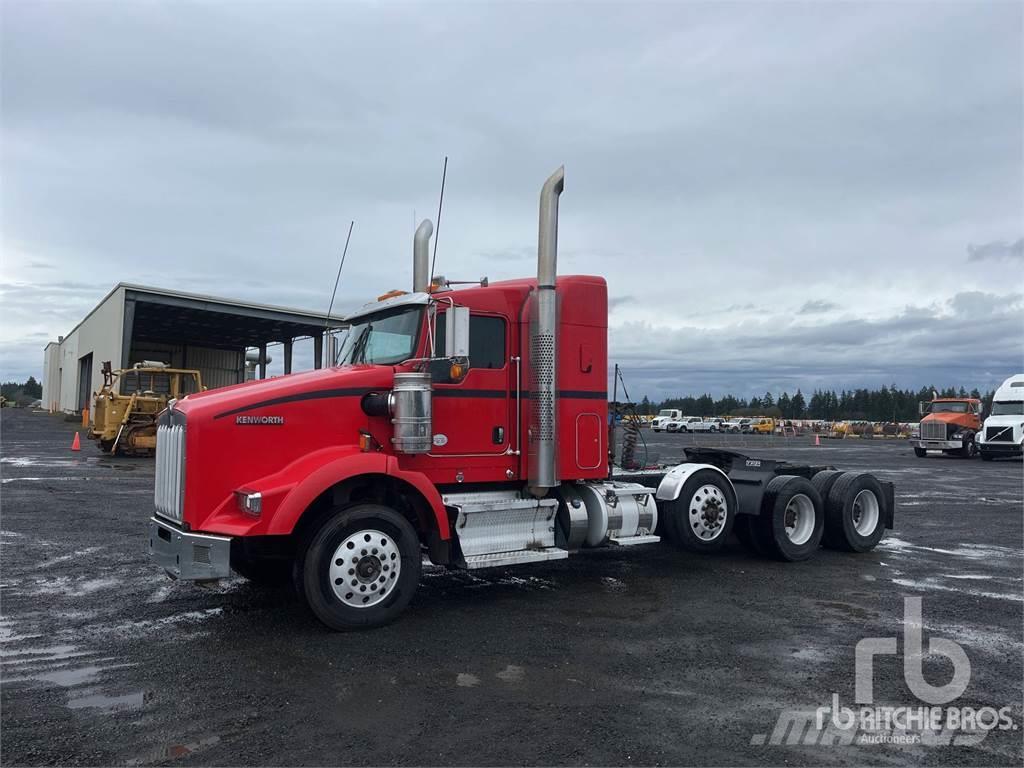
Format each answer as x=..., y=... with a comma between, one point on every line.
x=949, y=424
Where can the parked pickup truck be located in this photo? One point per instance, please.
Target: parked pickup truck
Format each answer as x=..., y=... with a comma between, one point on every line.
x=691, y=424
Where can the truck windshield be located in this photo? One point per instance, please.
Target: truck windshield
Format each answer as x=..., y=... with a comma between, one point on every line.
x=1008, y=408
x=665, y=413
x=386, y=338
x=947, y=408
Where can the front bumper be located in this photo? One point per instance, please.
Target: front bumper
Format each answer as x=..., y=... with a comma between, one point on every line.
x=938, y=445
x=188, y=556
x=1001, y=448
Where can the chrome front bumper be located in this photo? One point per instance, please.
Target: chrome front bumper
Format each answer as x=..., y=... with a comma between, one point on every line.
x=188, y=556
x=938, y=445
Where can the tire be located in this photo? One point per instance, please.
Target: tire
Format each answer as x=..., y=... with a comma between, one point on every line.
x=920, y=452
x=701, y=518
x=371, y=542
x=855, y=513
x=970, y=449
x=263, y=571
x=791, y=520
x=683, y=429
x=823, y=482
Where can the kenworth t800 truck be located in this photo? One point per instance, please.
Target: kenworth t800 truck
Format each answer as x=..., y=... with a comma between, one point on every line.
x=466, y=426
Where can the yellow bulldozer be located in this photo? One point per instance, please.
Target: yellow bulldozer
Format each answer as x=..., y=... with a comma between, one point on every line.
x=125, y=409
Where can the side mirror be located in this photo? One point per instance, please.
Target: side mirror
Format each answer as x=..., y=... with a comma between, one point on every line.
x=456, y=332
x=922, y=408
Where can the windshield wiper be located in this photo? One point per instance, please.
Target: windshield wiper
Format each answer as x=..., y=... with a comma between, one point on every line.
x=359, y=347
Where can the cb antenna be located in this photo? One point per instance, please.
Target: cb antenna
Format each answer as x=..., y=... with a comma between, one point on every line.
x=327, y=319
x=437, y=229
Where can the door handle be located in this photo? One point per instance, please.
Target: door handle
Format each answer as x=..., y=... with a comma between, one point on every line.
x=498, y=435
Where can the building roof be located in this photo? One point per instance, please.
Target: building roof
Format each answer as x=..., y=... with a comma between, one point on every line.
x=164, y=315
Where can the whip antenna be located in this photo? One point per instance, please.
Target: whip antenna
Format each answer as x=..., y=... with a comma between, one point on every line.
x=327, y=319
x=437, y=230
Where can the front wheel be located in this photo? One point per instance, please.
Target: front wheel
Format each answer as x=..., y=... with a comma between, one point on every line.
x=970, y=449
x=361, y=568
x=920, y=452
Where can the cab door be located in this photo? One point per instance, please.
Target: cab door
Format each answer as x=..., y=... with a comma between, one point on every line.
x=472, y=418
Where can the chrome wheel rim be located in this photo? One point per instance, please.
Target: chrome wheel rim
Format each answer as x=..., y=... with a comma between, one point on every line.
x=865, y=513
x=708, y=512
x=364, y=568
x=799, y=519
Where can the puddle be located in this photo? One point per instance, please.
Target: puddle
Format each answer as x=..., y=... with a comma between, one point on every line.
x=62, y=585
x=932, y=586
x=49, y=653
x=511, y=674
x=466, y=680
x=809, y=654
x=129, y=701
x=65, y=558
x=174, y=751
x=29, y=461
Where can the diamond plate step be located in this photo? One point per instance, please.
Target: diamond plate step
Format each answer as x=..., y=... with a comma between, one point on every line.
x=628, y=541
x=495, y=559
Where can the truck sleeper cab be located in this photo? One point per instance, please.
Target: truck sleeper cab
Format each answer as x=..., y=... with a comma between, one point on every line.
x=470, y=427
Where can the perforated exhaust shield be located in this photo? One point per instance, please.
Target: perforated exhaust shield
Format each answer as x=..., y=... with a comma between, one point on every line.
x=542, y=377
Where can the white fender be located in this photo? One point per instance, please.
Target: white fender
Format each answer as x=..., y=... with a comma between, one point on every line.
x=672, y=484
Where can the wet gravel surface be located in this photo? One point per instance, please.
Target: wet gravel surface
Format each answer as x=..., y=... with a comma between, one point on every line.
x=643, y=656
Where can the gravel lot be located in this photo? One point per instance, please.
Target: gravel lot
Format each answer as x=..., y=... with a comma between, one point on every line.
x=643, y=656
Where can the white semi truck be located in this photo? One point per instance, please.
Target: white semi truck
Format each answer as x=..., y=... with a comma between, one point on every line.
x=1003, y=431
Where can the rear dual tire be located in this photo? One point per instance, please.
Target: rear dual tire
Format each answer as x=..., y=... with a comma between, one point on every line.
x=791, y=523
x=854, y=513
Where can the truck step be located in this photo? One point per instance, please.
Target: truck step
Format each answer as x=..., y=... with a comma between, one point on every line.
x=628, y=541
x=496, y=559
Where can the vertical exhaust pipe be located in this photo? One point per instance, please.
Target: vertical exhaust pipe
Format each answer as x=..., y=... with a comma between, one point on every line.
x=421, y=257
x=543, y=472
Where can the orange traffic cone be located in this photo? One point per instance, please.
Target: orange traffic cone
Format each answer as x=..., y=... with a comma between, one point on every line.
x=76, y=444
x=817, y=439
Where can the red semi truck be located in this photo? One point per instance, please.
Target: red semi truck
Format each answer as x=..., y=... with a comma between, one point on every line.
x=469, y=427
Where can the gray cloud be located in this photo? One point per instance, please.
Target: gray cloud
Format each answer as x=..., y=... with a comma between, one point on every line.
x=997, y=249
x=816, y=307
x=970, y=338
x=715, y=172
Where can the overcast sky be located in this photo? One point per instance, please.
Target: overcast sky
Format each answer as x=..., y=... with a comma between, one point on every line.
x=779, y=195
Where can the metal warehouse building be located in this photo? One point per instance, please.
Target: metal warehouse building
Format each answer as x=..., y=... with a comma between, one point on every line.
x=184, y=330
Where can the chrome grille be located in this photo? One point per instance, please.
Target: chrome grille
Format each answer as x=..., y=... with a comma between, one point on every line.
x=999, y=433
x=168, y=496
x=933, y=430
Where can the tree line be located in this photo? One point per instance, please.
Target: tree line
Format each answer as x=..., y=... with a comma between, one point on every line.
x=22, y=393
x=884, y=404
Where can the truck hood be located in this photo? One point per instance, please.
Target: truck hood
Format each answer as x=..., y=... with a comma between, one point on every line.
x=236, y=436
x=281, y=390
x=960, y=419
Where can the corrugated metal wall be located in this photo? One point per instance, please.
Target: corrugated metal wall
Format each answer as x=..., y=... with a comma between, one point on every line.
x=218, y=367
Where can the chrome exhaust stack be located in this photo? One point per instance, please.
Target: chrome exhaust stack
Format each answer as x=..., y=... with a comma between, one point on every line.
x=421, y=257
x=543, y=474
